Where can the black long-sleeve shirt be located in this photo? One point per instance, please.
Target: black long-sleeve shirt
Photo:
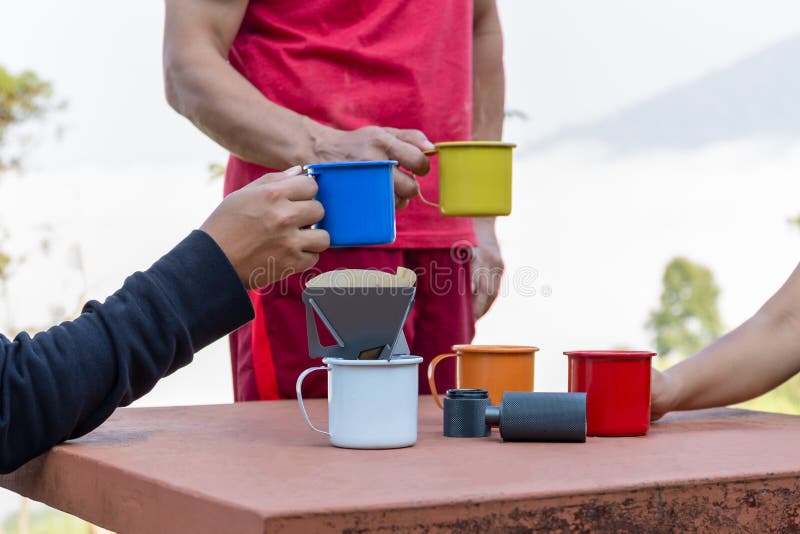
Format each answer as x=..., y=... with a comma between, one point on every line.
x=63, y=383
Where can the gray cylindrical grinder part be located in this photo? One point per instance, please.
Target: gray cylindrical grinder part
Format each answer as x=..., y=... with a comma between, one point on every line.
x=543, y=417
x=493, y=415
x=465, y=413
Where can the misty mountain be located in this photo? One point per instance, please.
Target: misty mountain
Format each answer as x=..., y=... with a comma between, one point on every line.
x=757, y=96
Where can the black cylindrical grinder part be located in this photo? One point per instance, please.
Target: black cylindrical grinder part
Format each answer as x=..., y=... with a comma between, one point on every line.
x=543, y=417
x=465, y=413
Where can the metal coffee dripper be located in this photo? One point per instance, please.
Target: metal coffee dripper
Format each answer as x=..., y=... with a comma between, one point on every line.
x=366, y=322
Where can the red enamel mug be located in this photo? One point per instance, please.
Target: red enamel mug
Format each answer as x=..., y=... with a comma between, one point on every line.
x=617, y=386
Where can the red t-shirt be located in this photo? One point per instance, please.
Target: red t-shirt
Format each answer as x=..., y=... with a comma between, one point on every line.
x=354, y=63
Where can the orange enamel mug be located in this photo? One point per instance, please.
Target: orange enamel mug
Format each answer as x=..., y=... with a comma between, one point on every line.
x=496, y=368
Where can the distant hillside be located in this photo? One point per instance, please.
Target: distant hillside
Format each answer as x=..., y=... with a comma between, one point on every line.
x=759, y=95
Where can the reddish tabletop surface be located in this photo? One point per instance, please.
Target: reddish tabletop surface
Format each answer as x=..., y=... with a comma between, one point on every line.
x=256, y=467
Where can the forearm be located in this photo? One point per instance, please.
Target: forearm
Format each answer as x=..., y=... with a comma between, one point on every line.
x=66, y=381
x=754, y=358
x=488, y=91
x=485, y=231
x=204, y=88
x=488, y=76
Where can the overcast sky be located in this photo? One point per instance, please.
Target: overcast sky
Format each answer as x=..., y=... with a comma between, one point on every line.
x=567, y=62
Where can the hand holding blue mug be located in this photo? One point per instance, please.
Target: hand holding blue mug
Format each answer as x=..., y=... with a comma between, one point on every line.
x=358, y=197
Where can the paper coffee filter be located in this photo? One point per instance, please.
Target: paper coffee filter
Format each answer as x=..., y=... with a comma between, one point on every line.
x=364, y=278
x=406, y=275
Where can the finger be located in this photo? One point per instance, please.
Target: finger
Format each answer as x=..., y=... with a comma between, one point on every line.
x=307, y=261
x=408, y=155
x=478, y=306
x=405, y=186
x=483, y=298
x=306, y=212
x=401, y=203
x=489, y=302
x=314, y=241
x=414, y=137
x=277, y=176
x=299, y=187
x=294, y=171
x=477, y=297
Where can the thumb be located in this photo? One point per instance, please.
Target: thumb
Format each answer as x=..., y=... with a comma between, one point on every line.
x=277, y=176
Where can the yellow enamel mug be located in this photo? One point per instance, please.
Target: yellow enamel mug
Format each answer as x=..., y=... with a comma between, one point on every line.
x=474, y=178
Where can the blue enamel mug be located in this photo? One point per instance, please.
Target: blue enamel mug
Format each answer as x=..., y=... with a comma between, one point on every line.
x=358, y=197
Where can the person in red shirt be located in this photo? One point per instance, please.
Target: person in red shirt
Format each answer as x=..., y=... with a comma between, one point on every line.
x=281, y=83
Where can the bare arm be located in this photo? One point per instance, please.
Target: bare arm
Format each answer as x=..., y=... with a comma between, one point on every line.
x=488, y=76
x=488, y=94
x=754, y=358
x=205, y=88
x=63, y=383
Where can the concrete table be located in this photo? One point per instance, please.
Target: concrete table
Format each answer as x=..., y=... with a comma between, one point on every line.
x=256, y=467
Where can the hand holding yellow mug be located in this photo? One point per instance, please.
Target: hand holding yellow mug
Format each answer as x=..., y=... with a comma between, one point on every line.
x=496, y=368
x=474, y=178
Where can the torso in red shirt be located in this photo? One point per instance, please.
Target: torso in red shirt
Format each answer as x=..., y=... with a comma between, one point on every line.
x=354, y=63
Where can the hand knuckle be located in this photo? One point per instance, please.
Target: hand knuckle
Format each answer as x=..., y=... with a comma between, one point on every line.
x=372, y=130
x=384, y=139
x=284, y=218
x=293, y=247
x=310, y=260
x=272, y=194
x=313, y=186
x=318, y=211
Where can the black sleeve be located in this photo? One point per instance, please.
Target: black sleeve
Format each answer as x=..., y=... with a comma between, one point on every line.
x=66, y=381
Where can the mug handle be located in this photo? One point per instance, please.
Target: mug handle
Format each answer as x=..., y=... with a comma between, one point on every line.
x=306, y=172
x=431, y=373
x=298, y=388
x=432, y=152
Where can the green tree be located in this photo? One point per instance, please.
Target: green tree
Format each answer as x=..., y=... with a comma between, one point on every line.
x=23, y=97
x=687, y=318
x=216, y=171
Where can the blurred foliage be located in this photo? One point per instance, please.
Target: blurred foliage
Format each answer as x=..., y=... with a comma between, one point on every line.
x=5, y=259
x=515, y=114
x=47, y=521
x=795, y=221
x=23, y=97
x=687, y=318
x=783, y=399
x=215, y=171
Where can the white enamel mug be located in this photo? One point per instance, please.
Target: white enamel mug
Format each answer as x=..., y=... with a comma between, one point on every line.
x=372, y=404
